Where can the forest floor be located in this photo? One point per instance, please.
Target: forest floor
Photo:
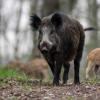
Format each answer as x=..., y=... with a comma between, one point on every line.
x=12, y=89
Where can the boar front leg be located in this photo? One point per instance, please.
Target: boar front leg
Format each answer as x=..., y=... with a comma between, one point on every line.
x=66, y=71
x=57, y=70
x=52, y=66
x=51, y=63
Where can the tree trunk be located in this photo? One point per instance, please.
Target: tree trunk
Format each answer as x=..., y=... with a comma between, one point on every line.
x=17, y=30
x=67, y=6
x=50, y=6
x=93, y=21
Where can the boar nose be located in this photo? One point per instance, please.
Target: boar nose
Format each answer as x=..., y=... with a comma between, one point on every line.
x=44, y=50
x=45, y=47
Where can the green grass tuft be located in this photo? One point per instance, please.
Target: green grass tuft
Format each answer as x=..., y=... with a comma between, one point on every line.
x=93, y=81
x=11, y=73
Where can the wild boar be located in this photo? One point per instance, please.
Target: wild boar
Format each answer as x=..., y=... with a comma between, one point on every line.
x=93, y=62
x=36, y=68
x=61, y=40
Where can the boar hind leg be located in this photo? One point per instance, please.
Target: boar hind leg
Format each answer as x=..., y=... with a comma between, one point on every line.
x=76, y=71
x=88, y=69
x=77, y=60
x=66, y=71
x=96, y=70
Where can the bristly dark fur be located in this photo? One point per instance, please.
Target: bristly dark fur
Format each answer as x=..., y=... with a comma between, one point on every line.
x=70, y=46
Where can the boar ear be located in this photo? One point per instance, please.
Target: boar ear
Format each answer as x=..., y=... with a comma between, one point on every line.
x=56, y=19
x=35, y=22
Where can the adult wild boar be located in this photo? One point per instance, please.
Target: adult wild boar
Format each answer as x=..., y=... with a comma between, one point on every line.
x=61, y=40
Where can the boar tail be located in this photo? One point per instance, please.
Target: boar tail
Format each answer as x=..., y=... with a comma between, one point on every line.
x=90, y=29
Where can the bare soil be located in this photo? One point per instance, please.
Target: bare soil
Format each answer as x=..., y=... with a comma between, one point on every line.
x=11, y=89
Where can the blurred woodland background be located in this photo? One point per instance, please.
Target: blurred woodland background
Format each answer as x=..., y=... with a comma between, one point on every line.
x=18, y=42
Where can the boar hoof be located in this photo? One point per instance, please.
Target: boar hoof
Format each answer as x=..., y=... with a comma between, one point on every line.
x=77, y=83
x=55, y=83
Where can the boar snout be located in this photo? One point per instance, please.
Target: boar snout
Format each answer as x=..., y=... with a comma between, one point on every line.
x=45, y=47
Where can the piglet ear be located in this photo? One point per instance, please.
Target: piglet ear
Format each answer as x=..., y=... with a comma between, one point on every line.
x=56, y=19
x=35, y=22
